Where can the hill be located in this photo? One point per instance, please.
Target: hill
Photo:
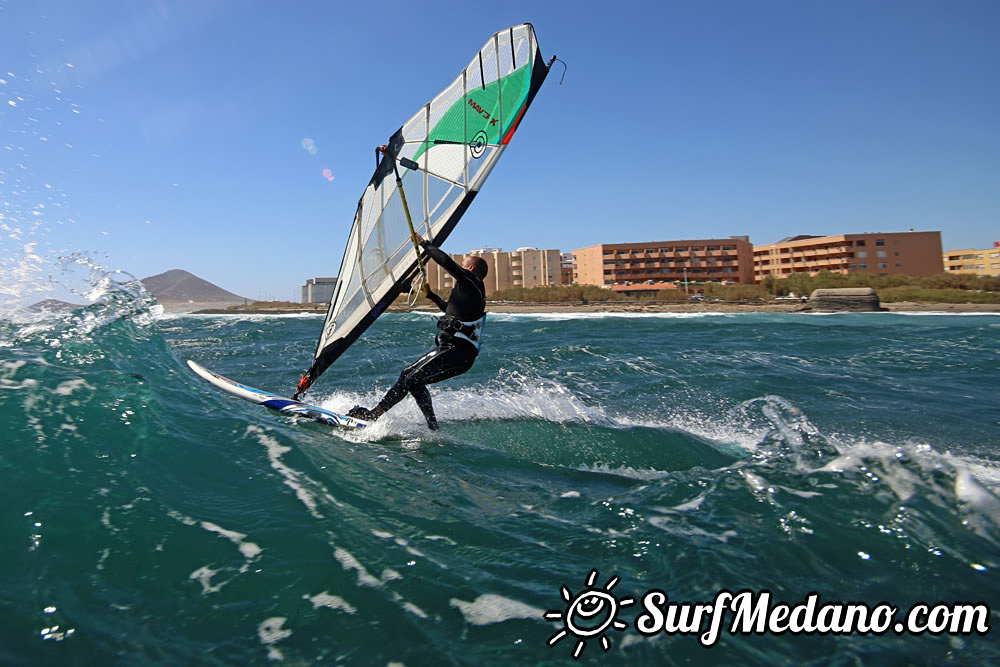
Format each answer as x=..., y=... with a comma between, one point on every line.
x=179, y=290
x=53, y=306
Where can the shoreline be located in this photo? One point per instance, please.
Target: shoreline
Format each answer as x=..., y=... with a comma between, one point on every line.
x=632, y=307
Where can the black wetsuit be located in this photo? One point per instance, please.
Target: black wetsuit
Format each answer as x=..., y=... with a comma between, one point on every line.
x=453, y=354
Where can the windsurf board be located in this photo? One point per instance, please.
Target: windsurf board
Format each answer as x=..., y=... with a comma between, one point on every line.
x=274, y=402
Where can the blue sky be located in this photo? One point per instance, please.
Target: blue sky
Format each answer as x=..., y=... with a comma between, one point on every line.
x=156, y=135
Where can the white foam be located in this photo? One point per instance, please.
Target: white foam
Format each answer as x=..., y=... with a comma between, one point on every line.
x=389, y=574
x=704, y=425
x=688, y=532
x=292, y=477
x=693, y=504
x=912, y=469
x=204, y=576
x=328, y=601
x=8, y=369
x=69, y=386
x=641, y=474
x=519, y=397
x=756, y=482
x=271, y=631
x=490, y=608
x=976, y=496
x=250, y=550
x=414, y=609
x=349, y=562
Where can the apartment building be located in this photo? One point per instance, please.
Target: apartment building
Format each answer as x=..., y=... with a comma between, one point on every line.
x=910, y=253
x=981, y=262
x=716, y=260
x=318, y=290
x=566, y=271
x=524, y=267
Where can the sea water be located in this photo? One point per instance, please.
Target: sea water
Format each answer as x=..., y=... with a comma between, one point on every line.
x=146, y=518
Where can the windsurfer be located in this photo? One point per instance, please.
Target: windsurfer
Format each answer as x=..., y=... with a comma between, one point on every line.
x=458, y=339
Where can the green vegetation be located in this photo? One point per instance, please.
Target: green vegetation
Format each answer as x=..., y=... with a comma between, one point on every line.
x=581, y=294
x=940, y=288
x=735, y=292
x=667, y=295
x=571, y=293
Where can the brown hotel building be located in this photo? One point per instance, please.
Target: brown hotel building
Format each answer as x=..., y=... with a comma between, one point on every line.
x=981, y=262
x=915, y=254
x=736, y=261
x=718, y=260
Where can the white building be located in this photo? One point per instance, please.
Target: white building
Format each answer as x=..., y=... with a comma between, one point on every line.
x=318, y=290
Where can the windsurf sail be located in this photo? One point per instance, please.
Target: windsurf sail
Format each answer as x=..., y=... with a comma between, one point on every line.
x=433, y=167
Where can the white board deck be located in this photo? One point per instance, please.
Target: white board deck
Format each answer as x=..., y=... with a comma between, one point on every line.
x=274, y=402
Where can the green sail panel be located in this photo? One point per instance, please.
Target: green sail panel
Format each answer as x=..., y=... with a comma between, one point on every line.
x=485, y=115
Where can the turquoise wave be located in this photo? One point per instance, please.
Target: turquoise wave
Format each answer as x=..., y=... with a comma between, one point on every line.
x=149, y=518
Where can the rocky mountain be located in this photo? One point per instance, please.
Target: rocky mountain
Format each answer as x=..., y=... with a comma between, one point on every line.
x=178, y=290
x=53, y=306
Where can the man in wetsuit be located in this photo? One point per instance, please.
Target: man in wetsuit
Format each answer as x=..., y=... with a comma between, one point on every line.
x=457, y=342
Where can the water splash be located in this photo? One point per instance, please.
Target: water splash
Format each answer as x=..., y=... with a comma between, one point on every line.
x=32, y=203
x=795, y=459
x=787, y=434
x=68, y=331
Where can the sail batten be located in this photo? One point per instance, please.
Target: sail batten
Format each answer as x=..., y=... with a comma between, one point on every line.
x=447, y=149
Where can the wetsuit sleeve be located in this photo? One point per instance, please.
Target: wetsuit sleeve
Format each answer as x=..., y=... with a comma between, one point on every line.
x=438, y=301
x=446, y=262
x=467, y=301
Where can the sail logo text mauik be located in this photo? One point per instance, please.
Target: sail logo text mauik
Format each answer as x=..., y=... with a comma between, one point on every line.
x=484, y=113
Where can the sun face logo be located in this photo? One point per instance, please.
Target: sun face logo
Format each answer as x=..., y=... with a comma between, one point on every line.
x=589, y=614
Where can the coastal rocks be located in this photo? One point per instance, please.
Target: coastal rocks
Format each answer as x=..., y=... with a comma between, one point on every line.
x=856, y=299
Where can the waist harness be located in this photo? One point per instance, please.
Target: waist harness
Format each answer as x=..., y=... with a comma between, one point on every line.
x=451, y=327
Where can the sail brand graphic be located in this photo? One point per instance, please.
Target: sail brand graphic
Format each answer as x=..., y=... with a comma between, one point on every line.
x=483, y=112
x=478, y=144
x=593, y=611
